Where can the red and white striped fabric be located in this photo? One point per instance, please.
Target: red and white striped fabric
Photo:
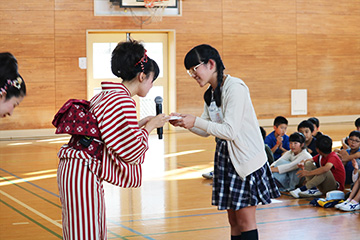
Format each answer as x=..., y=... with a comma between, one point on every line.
x=80, y=176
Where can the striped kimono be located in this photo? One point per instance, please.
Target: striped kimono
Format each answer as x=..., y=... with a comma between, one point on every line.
x=80, y=175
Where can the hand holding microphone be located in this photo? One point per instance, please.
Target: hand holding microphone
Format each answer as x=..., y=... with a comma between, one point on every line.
x=158, y=106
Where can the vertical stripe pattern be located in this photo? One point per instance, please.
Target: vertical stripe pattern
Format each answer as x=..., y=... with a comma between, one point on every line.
x=82, y=200
x=80, y=176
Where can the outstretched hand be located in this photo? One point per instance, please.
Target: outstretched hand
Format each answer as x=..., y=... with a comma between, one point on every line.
x=187, y=121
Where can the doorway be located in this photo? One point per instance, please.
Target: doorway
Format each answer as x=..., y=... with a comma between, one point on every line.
x=160, y=46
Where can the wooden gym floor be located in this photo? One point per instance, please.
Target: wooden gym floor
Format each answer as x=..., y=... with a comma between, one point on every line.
x=174, y=201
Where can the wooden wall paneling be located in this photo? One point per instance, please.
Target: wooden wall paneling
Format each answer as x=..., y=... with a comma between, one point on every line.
x=201, y=5
x=333, y=83
x=35, y=5
x=77, y=22
x=67, y=90
x=70, y=5
x=328, y=24
x=29, y=118
x=268, y=77
x=259, y=44
x=285, y=6
x=192, y=22
x=325, y=44
x=28, y=46
x=35, y=69
x=256, y=23
x=67, y=70
x=70, y=45
x=27, y=22
x=342, y=7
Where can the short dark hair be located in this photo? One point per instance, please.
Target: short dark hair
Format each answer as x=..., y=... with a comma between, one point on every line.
x=297, y=137
x=129, y=58
x=306, y=124
x=315, y=121
x=324, y=144
x=263, y=132
x=357, y=122
x=280, y=120
x=355, y=134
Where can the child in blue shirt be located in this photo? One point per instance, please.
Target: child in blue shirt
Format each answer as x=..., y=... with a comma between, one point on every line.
x=277, y=140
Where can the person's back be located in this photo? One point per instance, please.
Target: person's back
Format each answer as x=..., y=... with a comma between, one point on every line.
x=277, y=140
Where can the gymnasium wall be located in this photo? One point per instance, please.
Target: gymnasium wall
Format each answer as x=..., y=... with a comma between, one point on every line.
x=274, y=46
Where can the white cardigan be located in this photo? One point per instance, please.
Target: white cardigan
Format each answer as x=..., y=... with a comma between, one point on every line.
x=292, y=159
x=240, y=127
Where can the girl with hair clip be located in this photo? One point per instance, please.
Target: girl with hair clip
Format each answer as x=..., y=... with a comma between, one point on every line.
x=12, y=85
x=242, y=176
x=123, y=144
x=285, y=168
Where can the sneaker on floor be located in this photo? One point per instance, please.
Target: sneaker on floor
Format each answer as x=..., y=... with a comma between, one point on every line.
x=310, y=193
x=208, y=175
x=341, y=204
x=295, y=192
x=350, y=207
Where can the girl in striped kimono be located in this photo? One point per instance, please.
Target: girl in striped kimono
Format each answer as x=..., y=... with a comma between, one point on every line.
x=118, y=154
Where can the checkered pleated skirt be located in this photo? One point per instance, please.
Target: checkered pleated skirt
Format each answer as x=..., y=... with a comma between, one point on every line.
x=230, y=192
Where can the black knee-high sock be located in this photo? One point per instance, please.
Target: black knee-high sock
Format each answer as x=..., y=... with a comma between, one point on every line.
x=236, y=237
x=250, y=235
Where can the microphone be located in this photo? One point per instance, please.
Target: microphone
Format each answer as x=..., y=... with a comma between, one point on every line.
x=158, y=106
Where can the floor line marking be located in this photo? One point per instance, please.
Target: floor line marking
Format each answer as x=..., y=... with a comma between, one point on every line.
x=34, y=221
x=31, y=209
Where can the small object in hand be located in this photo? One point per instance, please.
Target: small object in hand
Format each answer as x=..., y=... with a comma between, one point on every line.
x=175, y=118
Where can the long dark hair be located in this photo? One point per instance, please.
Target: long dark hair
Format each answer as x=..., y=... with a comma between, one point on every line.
x=129, y=59
x=203, y=53
x=11, y=83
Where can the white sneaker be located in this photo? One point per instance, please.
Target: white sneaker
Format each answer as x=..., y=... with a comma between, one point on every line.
x=350, y=207
x=208, y=175
x=341, y=204
x=295, y=192
x=310, y=193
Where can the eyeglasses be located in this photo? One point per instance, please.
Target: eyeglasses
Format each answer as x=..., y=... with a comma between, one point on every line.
x=354, y=140
x=192, y=71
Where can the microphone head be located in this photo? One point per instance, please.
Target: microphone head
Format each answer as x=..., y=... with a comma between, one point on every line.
x=158, y=100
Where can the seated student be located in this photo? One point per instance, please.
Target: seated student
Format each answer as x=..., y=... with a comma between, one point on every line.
x=344, y=141
x=326, y=174
x=269, y=154
x=306, y=128
x=316, y=133
x=277, y=140
x=284, y=169
x=353, y=152
x=352, y=202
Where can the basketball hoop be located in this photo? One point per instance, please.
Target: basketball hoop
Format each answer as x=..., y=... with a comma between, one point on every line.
x=156, y=9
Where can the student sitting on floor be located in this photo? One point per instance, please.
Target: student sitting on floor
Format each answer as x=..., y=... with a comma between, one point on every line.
x=344, y=141
x=316, y=133
x=284, y=169
x=352, y=203
x=277, y=140
x=353, y=152
x=326, y=174
x=307, y=128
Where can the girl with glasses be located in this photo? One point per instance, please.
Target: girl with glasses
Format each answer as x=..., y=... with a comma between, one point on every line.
x=242, y=176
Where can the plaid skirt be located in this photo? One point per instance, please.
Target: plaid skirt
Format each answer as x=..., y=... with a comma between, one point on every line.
x=230, y=192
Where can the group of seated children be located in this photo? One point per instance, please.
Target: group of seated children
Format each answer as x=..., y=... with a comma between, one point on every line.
x=305, y=165
x=312, y=160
